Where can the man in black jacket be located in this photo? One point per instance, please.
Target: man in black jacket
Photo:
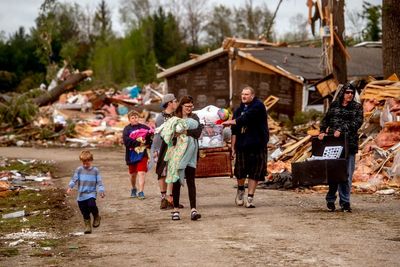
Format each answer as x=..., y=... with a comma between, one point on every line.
x=344, y=117
x=250, y=136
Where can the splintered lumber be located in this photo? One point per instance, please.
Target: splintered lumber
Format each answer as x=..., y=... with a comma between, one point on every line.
x=273, y=125
x=295, y=145
x=292, y=136
x=288, y=144
x=228, y=42
x=68, y=84
x=303, y=153
x=393, y=77
x=192, y=55
x=380, y=93
x=310, y=4
x=382, y=164
x=341, y=46
x=240, y=43
x=380, y=90
x=270, y=101
x=327, y=86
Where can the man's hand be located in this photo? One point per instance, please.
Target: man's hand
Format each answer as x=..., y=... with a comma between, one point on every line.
x=102, y=194
x=336, y=133
x=321, y=136
x=229, y=122
x=69, y=190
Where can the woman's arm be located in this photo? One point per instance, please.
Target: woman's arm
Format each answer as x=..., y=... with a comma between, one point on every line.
x=195, y=133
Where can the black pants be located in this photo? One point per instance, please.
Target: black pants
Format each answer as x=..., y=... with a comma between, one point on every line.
x=88, y=206
x=176, y=189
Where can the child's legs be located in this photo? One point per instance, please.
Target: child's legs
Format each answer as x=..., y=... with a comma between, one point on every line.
x=93, y=207
x=133, y=174
x=141, y=177
x=85, y=210
x=141, y=167
x=133, y=179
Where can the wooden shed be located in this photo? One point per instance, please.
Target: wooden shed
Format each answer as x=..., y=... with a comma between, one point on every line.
x=216, y=78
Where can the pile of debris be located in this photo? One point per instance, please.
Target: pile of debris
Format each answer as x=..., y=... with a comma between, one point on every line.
x=97, y=117
x=66, y=117
x=379, y=155
x=19, y=174
x=378, y=160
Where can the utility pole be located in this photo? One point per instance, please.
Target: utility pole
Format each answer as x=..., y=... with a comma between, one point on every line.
x=334, y=51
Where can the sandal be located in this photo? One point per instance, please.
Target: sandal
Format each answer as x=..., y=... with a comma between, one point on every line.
x=176, y=216
x=194, y=215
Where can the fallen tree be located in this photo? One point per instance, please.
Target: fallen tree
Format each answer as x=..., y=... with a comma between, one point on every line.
x=68, y=84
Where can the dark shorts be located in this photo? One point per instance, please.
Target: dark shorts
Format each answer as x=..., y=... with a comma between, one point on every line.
x=251, y=165
x=140, y=166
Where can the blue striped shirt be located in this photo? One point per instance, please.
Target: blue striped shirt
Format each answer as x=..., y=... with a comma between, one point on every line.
x=88, y=180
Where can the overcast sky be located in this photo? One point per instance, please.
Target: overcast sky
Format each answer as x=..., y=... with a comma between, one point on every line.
x=16, y=13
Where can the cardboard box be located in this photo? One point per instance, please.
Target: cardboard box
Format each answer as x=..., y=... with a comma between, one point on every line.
x=322, y=172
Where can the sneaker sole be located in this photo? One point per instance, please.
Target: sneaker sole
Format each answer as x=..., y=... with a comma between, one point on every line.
x=196, y=217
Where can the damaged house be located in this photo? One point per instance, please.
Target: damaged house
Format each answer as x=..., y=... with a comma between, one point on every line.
x=216, y=77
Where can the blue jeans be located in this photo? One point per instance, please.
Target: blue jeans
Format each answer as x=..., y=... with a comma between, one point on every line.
x=343, y=188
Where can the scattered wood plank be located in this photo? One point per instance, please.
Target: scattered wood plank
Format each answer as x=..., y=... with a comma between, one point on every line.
x=270, y=101
x=296, y=145
x=341, y=46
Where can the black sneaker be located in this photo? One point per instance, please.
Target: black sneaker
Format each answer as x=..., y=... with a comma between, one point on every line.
x=331, y=206
x=194, y=215
x=346, y=207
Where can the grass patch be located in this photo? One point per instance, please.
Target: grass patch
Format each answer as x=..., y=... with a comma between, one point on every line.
x=8, y=252
x=41, y=254
x=36, y=167
x=48, y=208
x=49, y=243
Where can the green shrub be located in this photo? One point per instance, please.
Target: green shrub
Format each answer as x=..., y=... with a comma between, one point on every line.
x=304, y=117
x=18, y=110
x=8, y=80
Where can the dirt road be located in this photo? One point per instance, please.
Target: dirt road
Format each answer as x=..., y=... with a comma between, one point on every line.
x=287, y=228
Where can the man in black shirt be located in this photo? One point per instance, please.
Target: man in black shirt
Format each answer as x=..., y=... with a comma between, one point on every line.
x=250, y=136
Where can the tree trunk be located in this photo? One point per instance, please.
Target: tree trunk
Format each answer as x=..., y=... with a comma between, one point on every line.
x=339, y=59
x=390, y=37
x=66, y=85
